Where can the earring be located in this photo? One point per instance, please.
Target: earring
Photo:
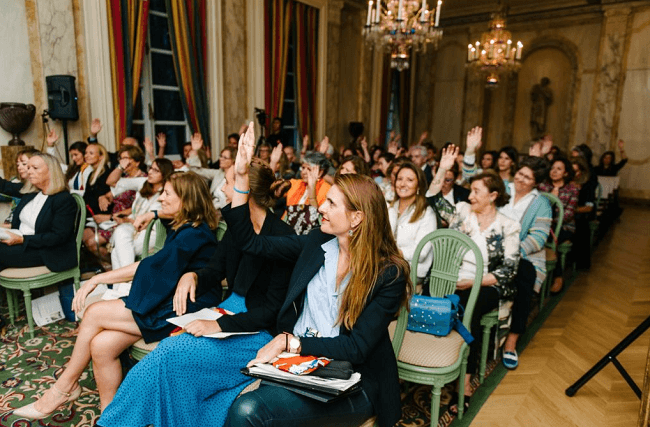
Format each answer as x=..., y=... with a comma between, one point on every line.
x=351, y=232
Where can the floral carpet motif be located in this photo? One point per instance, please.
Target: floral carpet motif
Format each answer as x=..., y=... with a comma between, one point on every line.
x=29, y=366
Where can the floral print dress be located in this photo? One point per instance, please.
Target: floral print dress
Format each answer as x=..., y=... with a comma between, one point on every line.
x=121, y=202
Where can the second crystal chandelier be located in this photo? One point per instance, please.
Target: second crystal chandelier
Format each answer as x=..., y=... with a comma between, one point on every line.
x=402, y=26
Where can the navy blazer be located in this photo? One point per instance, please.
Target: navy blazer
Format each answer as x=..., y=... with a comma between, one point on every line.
x=54, y=233
x=367, y=346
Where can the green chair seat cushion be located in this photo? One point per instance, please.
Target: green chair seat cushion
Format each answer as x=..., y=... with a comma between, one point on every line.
x=427, y=350
x=24, y=273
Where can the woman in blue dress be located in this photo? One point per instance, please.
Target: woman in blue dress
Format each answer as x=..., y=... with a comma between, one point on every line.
x=109, y=327
x=191, y=375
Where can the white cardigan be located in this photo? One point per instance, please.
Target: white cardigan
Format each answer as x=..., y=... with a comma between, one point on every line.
x=409, y=234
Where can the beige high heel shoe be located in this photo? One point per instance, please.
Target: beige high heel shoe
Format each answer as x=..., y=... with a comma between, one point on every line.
x=31, y=413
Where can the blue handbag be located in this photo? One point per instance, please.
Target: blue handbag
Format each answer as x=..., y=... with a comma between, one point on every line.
x=437, y=316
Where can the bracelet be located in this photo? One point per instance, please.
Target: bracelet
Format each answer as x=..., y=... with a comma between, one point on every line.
x=239, y=191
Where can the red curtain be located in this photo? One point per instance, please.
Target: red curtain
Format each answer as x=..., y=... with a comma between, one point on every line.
x=127, y=31
x=187, y=31
x=306, y=55
x=277, y=26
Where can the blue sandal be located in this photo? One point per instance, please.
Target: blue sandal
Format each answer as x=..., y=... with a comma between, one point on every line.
x=510, y=359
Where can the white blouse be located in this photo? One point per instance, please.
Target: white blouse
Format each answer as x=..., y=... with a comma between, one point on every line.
x=409, y=234
x=29, y=214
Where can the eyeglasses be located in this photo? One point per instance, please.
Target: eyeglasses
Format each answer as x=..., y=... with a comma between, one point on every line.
x=449, y=179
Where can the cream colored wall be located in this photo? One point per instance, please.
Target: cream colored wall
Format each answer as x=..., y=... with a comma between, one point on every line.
x=634, y=126
x=15, y=67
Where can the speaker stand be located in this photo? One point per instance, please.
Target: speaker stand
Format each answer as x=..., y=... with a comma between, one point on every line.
x=64, y=123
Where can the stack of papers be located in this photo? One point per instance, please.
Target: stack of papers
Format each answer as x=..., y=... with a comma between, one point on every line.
x=205, y=314
x=332, y=385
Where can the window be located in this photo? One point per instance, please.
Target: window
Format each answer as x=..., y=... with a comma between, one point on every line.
x=289, y=111
x=159, y=107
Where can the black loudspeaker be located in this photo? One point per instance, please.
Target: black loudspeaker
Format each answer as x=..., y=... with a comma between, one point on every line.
x=62, y=97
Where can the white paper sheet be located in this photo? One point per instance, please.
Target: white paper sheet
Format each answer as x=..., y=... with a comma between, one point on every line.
x=47, y=309
x=205, y=314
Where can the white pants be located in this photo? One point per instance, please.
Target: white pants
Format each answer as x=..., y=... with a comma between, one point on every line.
x=127, y=244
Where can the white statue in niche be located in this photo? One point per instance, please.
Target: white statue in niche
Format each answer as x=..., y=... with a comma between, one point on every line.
x=542, y=97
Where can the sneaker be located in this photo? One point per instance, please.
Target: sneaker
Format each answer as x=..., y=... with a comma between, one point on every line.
x=510, y=359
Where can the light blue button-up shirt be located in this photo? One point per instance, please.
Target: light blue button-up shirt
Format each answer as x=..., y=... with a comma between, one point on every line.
x=322, y=299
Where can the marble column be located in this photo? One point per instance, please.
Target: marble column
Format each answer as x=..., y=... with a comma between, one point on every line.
x=235, y=65
x=610, y=79
x=332, y=120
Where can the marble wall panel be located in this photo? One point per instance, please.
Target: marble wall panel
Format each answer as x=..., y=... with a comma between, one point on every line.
x=58, y=46
x=15, y=67
x=634, y=130
x=639, y=55
x=235, y=64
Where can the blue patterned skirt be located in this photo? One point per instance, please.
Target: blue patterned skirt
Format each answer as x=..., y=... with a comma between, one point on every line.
x=186, y=380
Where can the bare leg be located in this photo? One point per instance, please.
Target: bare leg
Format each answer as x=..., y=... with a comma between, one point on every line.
x=511, y=342
x=105, y=349
x=101, y=316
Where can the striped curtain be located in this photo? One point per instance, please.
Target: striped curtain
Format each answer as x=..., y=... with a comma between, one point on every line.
x=277, y=26
x=306, y=53
x=187, y=31
x=127, y=32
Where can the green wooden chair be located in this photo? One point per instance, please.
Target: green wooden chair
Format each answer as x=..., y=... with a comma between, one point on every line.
x=221, y=230
x=26, y=279
x=428, y=359
x=552, y=248
x=161, y=235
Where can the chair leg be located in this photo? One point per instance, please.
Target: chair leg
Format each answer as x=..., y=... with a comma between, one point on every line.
x=484, y=351
x=10, y=305
x=28, y=308
x=435, y=405
x=461, y=385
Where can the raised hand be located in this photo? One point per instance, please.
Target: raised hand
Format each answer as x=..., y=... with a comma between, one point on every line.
x=197, y=141
x=305, y=144
x=161, y=138
x=324, y=145
x=474, y=137
x=148, y=146
x=535, y=150
x=276, y=155
x=245, y=151
x=392, y=147
x=423, y=137
x=621, y=145
x=546, y=145
x=52, y=137
x=242, y=129
x=448, y=157
x=95, y=127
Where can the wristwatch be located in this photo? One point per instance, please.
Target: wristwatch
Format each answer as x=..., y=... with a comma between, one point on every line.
x=294, y=345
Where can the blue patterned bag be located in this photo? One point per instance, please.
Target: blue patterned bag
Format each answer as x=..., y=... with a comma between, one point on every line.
x=437, y=316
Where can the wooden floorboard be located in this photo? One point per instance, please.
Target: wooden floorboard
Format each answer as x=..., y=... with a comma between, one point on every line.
x=597, y=312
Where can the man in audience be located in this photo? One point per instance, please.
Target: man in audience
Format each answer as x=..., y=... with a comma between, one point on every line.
x=95, y=128
x=418, y=155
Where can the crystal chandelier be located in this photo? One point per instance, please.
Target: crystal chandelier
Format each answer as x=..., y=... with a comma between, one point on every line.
x=496, y=54
x=402, y=26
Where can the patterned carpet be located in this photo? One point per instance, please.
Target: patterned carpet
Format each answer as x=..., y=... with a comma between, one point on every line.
x=28, y=367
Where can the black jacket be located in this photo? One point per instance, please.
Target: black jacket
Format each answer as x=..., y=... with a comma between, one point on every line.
x=54, y=234
x=94, y=191
x=461, y=194
x=263, y=282
x=367, y=346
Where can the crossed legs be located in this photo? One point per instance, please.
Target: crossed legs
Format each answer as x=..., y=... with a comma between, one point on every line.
x=107, y=329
